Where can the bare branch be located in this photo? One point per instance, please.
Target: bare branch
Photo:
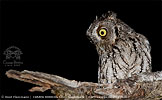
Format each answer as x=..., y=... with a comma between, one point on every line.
x=131, y=88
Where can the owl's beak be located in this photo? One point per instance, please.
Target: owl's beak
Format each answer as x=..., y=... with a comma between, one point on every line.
x=89, y=38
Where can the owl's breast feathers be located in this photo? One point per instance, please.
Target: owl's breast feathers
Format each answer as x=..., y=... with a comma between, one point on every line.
x=129, y=55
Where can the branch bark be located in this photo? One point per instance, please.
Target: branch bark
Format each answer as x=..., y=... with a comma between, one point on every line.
x=135, y=88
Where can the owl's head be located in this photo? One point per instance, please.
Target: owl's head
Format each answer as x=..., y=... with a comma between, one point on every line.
x=103, y=29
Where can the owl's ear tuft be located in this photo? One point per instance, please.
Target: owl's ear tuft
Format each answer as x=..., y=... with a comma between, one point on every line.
x=109, y=15
x=96, y=17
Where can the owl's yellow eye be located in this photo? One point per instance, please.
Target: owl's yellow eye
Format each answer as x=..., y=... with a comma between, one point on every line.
x=102, y=32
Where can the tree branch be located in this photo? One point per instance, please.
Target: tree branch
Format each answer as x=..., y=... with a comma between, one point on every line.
x=137, y=87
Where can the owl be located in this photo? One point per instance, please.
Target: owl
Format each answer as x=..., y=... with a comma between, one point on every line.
x=122, y=52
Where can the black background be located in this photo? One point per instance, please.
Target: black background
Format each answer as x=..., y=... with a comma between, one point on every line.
x=52, y=37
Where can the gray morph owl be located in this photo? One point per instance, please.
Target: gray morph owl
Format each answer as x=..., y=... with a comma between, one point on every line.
x=122, y=52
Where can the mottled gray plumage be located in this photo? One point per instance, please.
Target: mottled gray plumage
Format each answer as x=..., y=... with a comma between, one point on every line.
x=122, y=52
